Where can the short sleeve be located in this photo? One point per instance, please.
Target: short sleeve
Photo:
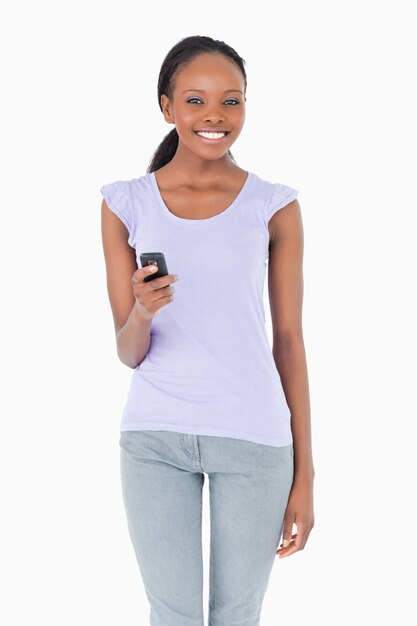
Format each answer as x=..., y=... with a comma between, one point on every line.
x=117, y=198
x=280, y=197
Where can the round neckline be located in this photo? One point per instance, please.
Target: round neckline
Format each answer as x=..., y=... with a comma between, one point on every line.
x=205, y=220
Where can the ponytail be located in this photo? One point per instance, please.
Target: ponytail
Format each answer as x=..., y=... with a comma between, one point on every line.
x=165, y=151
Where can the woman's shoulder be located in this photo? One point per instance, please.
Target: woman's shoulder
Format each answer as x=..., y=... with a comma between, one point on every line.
x=127, y=198
x=276, y=194
x=129, y=184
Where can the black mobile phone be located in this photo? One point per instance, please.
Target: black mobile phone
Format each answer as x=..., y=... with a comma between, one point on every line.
x=154, y=258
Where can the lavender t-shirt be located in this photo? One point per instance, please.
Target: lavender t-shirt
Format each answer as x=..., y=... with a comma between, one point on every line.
x=209, y=369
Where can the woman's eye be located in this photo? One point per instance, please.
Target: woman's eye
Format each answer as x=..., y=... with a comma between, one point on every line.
x=234, y=101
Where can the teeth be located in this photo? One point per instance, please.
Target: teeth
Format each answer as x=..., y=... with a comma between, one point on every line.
x=211, y=135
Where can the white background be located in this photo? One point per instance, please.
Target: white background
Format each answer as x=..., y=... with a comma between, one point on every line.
x=330, y=111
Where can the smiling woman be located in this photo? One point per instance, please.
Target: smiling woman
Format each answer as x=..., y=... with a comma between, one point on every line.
x=207, y=394
x=208, y=94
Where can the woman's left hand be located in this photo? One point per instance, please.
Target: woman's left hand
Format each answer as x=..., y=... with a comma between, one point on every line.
x=299, y=511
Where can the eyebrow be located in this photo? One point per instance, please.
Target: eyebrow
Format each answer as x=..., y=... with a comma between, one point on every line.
x=225, y=91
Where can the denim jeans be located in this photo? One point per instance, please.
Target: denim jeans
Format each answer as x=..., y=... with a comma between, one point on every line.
x=162, y=477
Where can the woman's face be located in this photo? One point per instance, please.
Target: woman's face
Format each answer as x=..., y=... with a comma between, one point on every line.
x=208, y=94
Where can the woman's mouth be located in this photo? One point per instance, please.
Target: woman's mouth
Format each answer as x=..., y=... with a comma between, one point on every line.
x=211, y=137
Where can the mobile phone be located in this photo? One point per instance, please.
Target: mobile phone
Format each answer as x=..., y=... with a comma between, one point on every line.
x=154, y=258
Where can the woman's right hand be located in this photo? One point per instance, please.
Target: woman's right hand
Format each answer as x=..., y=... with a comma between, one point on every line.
x=152, y=295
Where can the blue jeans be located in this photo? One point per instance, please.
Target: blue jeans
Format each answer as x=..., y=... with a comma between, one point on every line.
x=162, y=476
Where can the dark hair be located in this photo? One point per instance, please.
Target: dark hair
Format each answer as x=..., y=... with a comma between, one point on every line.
x=180, y=55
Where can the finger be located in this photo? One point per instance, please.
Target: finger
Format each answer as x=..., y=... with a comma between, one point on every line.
x=283, y=549
x=162, y=282
x=288, y=541
x=149, y=269
x=298, y=542
x=163, y=293
x=287, y=529
x=295, y=545
x=140, y=274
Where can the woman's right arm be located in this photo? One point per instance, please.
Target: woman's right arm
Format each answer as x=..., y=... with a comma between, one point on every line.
x=133, y=302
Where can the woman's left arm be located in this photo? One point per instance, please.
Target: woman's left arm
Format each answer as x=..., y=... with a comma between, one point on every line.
x=285, y=286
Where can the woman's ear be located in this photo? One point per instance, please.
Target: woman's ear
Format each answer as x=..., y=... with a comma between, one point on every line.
x=166, y=109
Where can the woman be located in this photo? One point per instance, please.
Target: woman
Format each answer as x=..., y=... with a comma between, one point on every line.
x=207, y=396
